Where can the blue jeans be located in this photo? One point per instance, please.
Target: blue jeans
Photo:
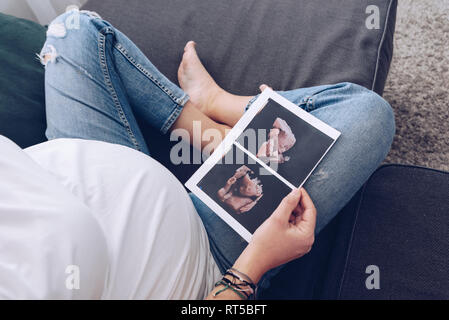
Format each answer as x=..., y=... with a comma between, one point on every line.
x=98, y=82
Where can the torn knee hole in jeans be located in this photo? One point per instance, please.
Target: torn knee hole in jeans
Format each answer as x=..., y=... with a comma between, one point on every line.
x=72, y=22
x=57, y=30
x=48, y=54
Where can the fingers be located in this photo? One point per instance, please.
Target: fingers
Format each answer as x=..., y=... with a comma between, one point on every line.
x=262, y=87
x=306, y=201
x=308, y=218
x=287, y=205
x=298, y=210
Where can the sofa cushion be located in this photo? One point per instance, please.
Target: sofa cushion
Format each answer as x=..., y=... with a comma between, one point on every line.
x=399, y=222
x=402, y=227
x=22, y=101
x=287, y=44
x=307, y=278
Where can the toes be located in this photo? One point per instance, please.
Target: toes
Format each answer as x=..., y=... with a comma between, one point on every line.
x=190, y=55
x=190, y=45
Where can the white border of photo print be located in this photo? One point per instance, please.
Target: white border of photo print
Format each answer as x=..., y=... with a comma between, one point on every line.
x=230, y=140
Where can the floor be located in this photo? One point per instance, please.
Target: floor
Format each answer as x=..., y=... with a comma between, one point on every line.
x=418, y=84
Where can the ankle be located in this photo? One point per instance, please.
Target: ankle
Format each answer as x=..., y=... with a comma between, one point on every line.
x=215, y=102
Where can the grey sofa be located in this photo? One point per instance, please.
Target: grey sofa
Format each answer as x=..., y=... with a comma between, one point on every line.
x=287, y=44
x=399, y=221
x=298, y=43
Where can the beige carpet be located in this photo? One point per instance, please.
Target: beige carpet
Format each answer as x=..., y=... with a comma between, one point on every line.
x=418, y=84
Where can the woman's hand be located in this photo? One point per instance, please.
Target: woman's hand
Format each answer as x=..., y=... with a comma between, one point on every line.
x=286, y=235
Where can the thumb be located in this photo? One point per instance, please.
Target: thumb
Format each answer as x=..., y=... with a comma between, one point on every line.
x=287, y=205
x=262, y=87
x=308, y=218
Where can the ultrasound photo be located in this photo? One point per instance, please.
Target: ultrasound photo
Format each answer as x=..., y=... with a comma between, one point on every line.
x=273, y=148
x=288, y=144
x=244, y=193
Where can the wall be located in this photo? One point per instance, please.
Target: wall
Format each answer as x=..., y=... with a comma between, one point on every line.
x=41, y=11
x=18, y=8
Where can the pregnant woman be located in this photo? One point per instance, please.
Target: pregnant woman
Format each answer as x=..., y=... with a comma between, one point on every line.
x=89, y=214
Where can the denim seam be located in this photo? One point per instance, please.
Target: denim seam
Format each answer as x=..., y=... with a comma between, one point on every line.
x=180, y=101
x=312, y=101
x=309, y=100
x=80, y=68
x=171, y=118
x=305, y=102
x=251, y=101
x=104, y=67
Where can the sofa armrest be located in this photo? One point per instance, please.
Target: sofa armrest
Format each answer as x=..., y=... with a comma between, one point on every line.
x=400, y=225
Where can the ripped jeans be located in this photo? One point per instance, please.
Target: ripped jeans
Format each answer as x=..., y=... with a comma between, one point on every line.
x=97, y=82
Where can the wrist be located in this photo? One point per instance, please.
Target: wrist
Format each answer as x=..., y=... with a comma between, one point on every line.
x=249, y=263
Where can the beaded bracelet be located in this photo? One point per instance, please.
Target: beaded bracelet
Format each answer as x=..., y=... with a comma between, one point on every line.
x=243, y=274
x=245, y=282
x=247, y=292
x=245, y=289
x=226, y=287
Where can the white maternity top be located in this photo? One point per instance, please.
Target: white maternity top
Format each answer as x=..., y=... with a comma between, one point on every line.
x=92, y=220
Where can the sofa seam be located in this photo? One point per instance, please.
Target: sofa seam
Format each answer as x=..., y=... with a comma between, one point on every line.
x=351, y=239
x=411, y=166
x=381, y=42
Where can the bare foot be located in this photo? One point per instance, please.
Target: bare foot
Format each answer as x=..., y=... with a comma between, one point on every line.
x=205, y=95
x=197, y=82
